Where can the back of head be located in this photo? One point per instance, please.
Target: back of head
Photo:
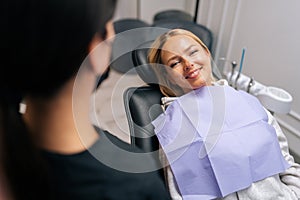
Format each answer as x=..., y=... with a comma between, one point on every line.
x=44, y=44
x=45, y=41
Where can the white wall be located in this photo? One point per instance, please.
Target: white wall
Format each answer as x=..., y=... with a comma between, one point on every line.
x=126, y=9
x=270, y=31
x=146, y=9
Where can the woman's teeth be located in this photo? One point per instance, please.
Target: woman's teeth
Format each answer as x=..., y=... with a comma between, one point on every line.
x=194, y=73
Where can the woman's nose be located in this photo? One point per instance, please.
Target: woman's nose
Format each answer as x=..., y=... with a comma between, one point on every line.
x=187, y=65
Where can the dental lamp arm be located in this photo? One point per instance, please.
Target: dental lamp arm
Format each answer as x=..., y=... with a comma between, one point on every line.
x=274, y=99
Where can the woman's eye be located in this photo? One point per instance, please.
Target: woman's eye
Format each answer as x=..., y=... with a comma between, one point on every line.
x=193, y=52
x=174, y=64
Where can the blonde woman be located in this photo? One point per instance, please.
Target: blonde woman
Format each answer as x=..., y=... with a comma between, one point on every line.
x=182, y=63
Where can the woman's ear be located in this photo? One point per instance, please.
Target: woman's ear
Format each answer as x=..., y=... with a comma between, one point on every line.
x=100, y=50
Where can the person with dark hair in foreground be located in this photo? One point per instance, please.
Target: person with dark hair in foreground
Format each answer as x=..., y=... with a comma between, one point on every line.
x=48, y=146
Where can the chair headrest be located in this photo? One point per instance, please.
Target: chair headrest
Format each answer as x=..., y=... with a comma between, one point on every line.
x=128, y=24
x=172, y=15
x=127, y=38
x=142, y=67
x=199, y=30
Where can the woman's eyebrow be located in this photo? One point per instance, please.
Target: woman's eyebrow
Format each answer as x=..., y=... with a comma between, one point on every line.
x=176, y=56
x=187, y=49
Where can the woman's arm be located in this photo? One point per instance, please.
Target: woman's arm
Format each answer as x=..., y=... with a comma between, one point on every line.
x=169, y=177
x=291, y=177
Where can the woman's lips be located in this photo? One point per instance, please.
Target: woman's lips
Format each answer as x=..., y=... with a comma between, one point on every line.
x=193, y=74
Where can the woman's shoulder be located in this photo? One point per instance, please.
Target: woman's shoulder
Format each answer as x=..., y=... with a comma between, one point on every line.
x=166, y=101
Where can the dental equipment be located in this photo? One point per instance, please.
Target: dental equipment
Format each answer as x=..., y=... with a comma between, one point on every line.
x=233, y=65
x=250, y=84
x=241, y=67
x=274, y=99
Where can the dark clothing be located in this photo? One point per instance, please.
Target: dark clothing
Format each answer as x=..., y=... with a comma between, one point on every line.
x=83, y=177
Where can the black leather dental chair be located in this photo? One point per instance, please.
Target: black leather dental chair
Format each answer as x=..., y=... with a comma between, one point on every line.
x=142, y=104
x=172, y=14
x=126, y=39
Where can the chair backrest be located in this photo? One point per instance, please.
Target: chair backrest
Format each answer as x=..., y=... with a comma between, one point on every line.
x=172, y=14
x=142, y=105
x=124, y=42
x=142, y=67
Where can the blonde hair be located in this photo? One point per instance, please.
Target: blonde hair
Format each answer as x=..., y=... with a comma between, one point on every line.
x=154, y=57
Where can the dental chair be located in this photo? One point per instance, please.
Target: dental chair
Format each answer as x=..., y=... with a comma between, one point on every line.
x=143, y=104
x=173, y=14
x=121, y=59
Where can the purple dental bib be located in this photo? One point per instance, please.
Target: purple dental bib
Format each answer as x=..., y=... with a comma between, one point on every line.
x=218, y=141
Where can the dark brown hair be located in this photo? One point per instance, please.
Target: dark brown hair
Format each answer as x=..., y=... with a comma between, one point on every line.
x=44, y=43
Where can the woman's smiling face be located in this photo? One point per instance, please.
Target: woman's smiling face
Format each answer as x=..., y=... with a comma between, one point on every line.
x=189, y=60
